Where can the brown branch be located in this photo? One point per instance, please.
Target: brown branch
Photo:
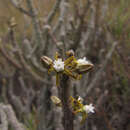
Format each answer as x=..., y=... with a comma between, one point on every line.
x=104, y=10
x=33, y=59
x=87, y=38
x=79, y=30
x=12, y=119
x=17, y=5
x=36, y=25
x=8, y=116
x=98, y=74
x=4, y=90
x=58, y=114
x=29, y=69
x=63, y=10
x=15, y=100
x=64, y=91
x=3, y=118
x=53, y=11
x=10, y=59
x=23, y=61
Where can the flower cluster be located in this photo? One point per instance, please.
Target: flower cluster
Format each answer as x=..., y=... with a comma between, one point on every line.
x=78, y=107
x=71, y=66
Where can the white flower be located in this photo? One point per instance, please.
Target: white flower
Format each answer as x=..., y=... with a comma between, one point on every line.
x=58, y=65
x=83, y=61
x=88, y=108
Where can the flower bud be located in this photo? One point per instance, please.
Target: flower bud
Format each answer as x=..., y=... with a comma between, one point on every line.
x=70, y=53
x=47, y=27
x=46, y=61
x=84, y=68
x=56, y=101
x=12, y=22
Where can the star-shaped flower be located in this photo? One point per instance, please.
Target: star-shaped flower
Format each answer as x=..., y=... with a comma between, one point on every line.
x=88, y=108
x=58, y=65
